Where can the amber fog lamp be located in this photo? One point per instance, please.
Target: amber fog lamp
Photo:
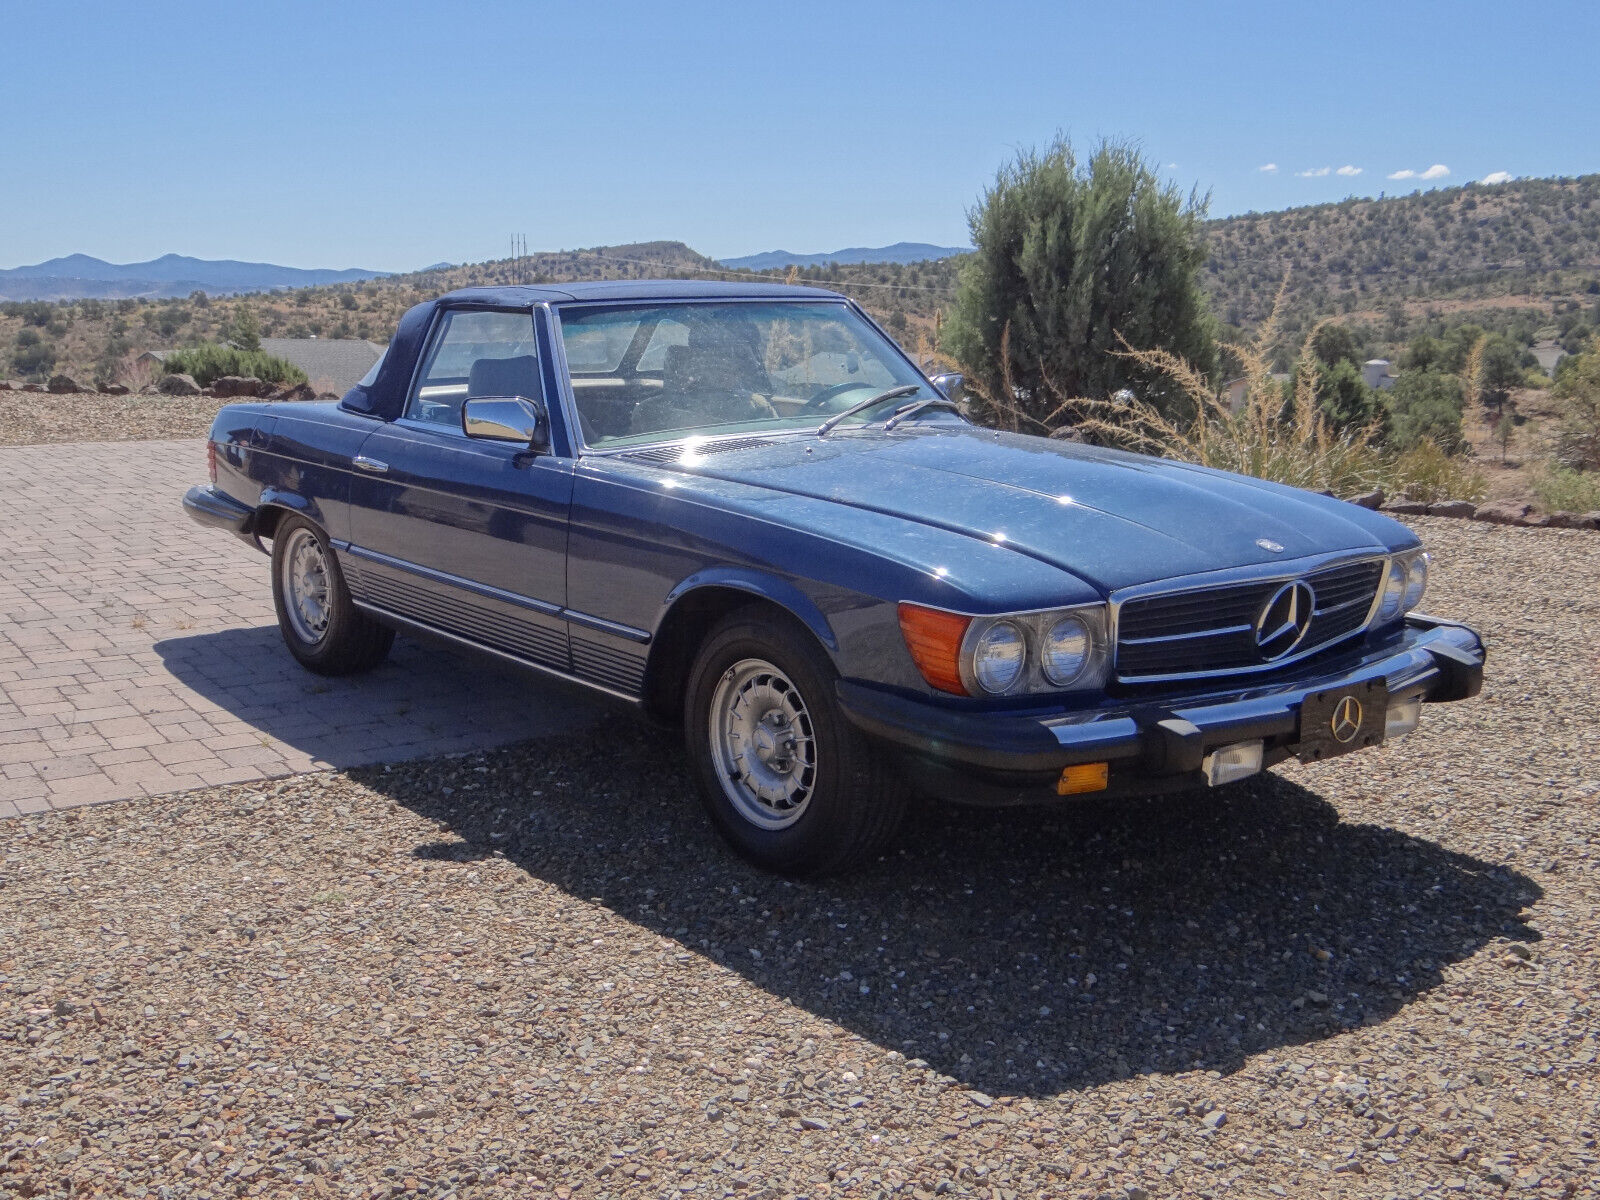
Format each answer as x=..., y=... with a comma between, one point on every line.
x=1083, y=777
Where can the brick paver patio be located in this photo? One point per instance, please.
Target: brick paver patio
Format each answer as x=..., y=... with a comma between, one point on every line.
x=139, y=653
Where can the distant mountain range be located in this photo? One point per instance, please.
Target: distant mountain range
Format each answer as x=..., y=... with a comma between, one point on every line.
x=79, y=276
x=900, y=252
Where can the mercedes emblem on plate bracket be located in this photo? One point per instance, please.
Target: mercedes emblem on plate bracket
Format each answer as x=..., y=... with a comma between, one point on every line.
x=1343, y=719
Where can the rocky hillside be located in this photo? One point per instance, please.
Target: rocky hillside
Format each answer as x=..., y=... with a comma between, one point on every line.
x=1520, y=255
x=1526, y=245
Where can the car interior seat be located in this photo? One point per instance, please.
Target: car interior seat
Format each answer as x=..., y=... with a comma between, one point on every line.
x=708, y=381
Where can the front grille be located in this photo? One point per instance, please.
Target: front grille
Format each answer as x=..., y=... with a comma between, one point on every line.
x=1213, y=629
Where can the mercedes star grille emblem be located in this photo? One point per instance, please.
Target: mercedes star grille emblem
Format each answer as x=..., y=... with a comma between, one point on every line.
x=1285, y=620
x=1346, y=720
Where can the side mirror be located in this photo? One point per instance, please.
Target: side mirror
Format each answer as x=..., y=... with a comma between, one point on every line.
x=952, y=383
x=506, y=419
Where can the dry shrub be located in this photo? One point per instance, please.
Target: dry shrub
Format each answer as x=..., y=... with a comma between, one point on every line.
x=1427, y=473
x=1289, y=442
x=1562, y=489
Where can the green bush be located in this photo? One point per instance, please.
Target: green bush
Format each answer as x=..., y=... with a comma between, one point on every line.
x=1426, y=404
x=210, y=362
x=34, y=361
x=1578, y=397
x=1346, y=399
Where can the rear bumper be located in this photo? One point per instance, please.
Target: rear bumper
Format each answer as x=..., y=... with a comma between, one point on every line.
x=210, y=507
x=1148, y=742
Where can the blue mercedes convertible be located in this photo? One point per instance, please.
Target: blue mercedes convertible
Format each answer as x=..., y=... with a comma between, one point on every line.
x=744, y=510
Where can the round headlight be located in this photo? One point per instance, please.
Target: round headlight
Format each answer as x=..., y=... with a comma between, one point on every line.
x=1065, y=651
x=999, y=656
x=1394, y=591
x=1416, y=581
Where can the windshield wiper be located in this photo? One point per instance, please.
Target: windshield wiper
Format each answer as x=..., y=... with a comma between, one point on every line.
x=911, y=410
x=905, y=389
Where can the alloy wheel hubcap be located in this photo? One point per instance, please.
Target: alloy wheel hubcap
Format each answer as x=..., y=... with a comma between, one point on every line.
x=762, y=744
x=306, y=586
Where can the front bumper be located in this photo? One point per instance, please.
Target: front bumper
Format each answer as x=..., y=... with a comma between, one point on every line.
x=211, y=507
x=1151, y=743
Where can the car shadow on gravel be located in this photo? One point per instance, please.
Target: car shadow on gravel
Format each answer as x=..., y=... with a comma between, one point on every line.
x=1022, y=952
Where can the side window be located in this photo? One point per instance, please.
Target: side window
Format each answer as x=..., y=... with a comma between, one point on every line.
x=475, y=353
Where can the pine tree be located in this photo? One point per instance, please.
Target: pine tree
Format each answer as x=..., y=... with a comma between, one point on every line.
x=245, y=332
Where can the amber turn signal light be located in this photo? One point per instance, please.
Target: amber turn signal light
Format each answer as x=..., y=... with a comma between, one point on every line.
x=1083, y=777
x=934, y=639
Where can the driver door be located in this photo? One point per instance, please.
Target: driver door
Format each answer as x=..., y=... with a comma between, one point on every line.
x=463, y=535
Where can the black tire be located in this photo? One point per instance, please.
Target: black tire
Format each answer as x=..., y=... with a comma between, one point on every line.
x=343, y=640
x=853, y=799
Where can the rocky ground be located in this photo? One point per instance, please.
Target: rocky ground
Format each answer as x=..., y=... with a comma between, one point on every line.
x=30, y=418
x=532, y=972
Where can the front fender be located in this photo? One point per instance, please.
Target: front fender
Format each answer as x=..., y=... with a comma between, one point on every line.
x=757, y=583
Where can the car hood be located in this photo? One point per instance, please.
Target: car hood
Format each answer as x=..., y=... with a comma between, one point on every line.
x=1112, y=519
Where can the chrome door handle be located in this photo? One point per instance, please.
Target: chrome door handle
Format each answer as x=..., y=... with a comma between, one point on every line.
x=370, y=464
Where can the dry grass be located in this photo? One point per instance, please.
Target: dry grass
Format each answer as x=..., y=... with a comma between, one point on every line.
x=1562, y=489
x=1264, y=436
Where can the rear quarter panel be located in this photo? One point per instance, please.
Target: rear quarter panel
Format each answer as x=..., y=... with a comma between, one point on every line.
x=292, y=454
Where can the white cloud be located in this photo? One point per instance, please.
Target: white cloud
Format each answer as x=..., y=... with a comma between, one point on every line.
x=1314, y=172
x=1348, y=170
x=1268, y=168
x=1437, y=171
x=1498, y=177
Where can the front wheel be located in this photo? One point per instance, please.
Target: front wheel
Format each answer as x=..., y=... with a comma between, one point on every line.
x=791, y=784
x=320, y=623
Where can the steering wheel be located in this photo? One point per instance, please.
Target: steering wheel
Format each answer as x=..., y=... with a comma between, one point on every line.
x=820, y=400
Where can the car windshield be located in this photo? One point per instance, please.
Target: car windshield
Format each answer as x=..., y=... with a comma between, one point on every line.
x=657, y=372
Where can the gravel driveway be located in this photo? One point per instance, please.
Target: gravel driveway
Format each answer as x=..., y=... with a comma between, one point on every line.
x=30, y=419
x=531, y=972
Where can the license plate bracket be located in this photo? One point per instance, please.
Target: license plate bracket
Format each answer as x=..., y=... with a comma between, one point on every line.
x=1339, y=720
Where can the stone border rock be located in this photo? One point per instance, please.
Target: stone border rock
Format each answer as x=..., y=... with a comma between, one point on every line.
x=1494, y=512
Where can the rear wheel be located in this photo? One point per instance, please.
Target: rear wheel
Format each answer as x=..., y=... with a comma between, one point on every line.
x=320, y=623
x=791, y=784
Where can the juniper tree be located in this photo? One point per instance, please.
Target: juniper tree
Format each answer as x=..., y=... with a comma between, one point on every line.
x=1072, y=257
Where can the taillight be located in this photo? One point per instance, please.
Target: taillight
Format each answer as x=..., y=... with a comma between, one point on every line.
x=934, y=639
x=211, y=460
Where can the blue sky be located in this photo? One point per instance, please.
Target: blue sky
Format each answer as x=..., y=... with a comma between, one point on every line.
x=393, y=135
